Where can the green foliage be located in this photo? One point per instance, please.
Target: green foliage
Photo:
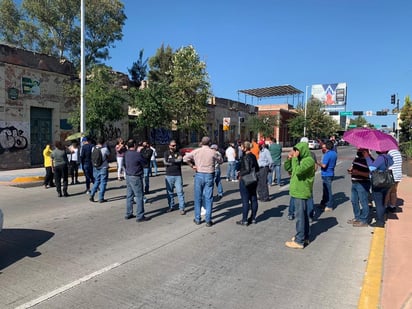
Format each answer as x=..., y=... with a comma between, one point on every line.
x=190, y=90
x=406, y=121
x=105, y=101
x=263, y=124
x=9, y=22
x=359, y=122
x=406, y=149
x=53, y=27
x=318, y=123
x=153, y=106
x=161, y=66
x=138, y=71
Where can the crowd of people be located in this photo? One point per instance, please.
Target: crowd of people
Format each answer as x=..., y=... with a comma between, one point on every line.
x=255, y=165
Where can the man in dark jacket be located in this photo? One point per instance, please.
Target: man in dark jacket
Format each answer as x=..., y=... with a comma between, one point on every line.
x=173, y=162
x=134, y=163
x=86, y=161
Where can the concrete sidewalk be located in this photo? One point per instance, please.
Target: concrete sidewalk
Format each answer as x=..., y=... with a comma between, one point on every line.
x=396, y=289
x=387, y=282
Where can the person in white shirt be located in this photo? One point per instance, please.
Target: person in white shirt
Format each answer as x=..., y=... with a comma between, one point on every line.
x=74, y=160
x=392, y=195
x=230, y=154
x=153, y=162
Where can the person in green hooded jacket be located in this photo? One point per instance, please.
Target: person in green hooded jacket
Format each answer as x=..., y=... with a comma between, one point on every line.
x=301, y=167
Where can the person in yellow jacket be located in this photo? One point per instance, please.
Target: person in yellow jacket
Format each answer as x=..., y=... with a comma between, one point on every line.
x=48, y=179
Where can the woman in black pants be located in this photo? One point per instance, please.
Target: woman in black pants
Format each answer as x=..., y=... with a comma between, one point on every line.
x=60, y=168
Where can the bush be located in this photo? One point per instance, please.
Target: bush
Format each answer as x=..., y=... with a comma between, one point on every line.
x=406, y=149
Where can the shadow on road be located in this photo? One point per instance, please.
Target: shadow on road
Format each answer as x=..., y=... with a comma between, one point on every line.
x=16, y=244
x=322, y=225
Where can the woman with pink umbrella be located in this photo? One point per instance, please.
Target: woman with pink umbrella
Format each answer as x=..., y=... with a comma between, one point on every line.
x=381, y=143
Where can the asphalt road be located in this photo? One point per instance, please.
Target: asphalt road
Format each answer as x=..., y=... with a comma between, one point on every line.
x=71, y=253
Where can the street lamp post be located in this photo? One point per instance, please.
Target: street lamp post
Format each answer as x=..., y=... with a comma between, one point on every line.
x=82, y=72
x=306, y=102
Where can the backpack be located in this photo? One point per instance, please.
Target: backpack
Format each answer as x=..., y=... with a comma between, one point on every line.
x=97, y=157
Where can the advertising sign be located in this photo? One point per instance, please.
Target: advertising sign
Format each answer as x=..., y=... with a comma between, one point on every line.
x=331, y=95
x=226, y=123
x=30, y=86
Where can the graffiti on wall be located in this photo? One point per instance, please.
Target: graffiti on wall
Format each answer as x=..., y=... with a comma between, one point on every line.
x=111, y=132
x=12, y=139
x=160, y=136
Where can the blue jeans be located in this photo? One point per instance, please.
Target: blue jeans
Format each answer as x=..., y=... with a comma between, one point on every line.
x=302, y=221
x=218, y=182
x=231, y=170
x=100, y=181
x=146, y=172
x=175, y=182
x=134, y=192
x=88, y=174
x=153, y=164
x=249, y=200
x=327, y=197
x=204, y=194
x=379, y=198
x=309, y=209
x=274, y=169
x=359, y=195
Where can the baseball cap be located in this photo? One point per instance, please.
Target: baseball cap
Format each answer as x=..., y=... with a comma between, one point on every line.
x=261, y=142
x=84, y=139
x=304, y=140
x=214, y=146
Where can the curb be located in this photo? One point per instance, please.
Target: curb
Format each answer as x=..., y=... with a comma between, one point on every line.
x=28, y=179
x=372, y=281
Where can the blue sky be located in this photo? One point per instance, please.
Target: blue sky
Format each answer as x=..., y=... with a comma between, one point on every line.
x=263, y=43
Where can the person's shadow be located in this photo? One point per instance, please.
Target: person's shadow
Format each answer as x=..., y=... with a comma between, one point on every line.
x=321, y=226
x=16, y=244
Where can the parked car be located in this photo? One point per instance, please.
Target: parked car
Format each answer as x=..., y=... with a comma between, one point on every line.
x=313, y=144
x=342, y=142
x=1, y=220
x=188, y=148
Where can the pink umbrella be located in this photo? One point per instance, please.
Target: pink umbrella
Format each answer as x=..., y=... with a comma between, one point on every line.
x=370, y=139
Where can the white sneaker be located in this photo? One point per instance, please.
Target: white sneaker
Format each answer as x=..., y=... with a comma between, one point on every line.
x=235, y=180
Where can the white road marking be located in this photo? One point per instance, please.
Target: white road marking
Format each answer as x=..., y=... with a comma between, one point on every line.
x=67, y=287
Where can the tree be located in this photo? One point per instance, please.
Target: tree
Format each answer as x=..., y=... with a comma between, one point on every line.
x=406, y=121
x=10, y=27
x=153, y=107
x=161, y=66
x=53, y=27
x=190, y=90
x=360, y=122
x=318, y=123
x=264, y=124
x=106, y=100
x=138, y=71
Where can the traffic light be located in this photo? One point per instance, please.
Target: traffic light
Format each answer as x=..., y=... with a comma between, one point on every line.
x=393, y=99
x=241, y=119
x=357, y=113
x=333, y=113
x=381, y=113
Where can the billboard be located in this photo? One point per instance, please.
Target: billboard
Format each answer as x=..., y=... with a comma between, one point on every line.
x=331, y=95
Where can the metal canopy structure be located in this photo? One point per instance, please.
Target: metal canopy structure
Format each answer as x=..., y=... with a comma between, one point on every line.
x=275, y=91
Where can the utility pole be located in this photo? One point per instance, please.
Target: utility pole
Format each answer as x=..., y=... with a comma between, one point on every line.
x=82, y=71
x=395, y=100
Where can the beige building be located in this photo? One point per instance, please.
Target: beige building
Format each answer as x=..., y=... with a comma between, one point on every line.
x=33, y=109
